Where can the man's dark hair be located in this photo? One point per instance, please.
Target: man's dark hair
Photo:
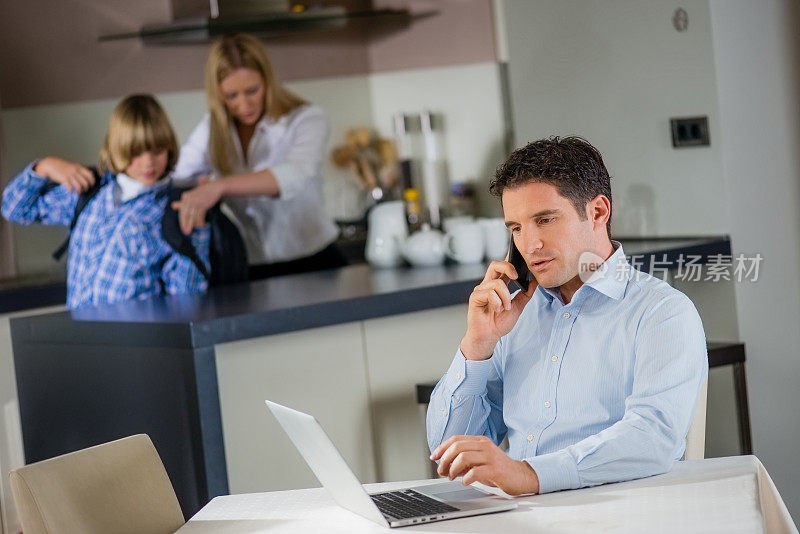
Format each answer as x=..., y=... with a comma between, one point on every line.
x=570, y=164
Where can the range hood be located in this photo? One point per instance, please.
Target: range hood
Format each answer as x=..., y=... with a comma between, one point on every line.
x=200, y=22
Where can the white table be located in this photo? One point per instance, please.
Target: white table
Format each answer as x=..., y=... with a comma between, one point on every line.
x=722, y=495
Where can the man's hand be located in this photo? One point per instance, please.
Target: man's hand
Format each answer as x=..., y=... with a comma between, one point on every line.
x=478, y=459
x=71, y=175
x=491, y=313
x=194, y=204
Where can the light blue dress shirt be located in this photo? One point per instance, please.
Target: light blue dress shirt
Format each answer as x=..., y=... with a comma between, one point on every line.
x=599, y=390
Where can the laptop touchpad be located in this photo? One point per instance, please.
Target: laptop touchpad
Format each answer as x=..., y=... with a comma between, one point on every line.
x=460, y=495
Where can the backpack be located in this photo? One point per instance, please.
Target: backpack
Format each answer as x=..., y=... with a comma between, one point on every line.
x=227, y=253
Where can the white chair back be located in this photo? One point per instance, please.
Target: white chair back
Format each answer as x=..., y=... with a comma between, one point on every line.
x=118, y=487
x=696, y=438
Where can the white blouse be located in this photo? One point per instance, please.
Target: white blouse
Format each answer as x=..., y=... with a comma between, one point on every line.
x=294, y=224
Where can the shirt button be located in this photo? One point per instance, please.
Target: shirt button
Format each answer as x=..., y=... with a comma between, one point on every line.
x=530, y=437
x=444, y=412
x=547, y=404
x=458, y=375
x=554, y=358
x=566, y=315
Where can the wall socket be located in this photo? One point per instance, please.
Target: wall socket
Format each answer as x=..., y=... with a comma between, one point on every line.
x=690, y=131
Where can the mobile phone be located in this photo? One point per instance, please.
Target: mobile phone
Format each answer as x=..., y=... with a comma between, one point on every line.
x=524, y=274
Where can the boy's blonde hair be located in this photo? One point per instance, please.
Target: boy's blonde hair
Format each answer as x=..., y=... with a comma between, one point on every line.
x=138, y=124
x=229, y=53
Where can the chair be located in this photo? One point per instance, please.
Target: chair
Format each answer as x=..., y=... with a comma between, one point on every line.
x=696, y=438
x=119, y=487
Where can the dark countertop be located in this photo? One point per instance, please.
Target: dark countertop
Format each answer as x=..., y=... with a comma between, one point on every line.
x=260, y=308
x=29, y=292
x=297, y=302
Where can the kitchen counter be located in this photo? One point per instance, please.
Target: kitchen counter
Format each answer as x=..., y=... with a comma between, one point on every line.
x=31, y=292
x=40, y=291
x=296, y=302
x=99, y=373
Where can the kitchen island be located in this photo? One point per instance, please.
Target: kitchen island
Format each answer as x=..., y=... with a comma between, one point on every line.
x=347, y=345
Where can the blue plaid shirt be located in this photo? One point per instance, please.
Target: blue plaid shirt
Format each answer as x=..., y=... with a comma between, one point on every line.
x=116, y=251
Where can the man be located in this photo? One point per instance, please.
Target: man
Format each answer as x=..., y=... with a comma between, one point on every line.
x=592, y=373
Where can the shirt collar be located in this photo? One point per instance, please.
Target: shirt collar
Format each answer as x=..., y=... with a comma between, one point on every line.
x=550, y=294
x=130, y=188
x=610, y=279
x=264, y=123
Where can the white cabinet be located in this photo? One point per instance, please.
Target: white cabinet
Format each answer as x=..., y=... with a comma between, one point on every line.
x=319, y=371
x=403, y=351
x=357, y=379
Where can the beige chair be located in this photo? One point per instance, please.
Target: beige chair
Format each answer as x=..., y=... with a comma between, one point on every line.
x=118, y=487
x=696, y=438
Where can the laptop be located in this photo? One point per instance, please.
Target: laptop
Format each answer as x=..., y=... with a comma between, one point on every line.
x=399, y=508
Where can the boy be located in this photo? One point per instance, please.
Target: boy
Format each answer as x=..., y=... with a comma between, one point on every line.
x=116, y=248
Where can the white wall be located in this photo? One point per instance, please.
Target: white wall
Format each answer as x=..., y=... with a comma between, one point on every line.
x=70, y=130
x=757, y=54
x=469, y=97
x=615, y=72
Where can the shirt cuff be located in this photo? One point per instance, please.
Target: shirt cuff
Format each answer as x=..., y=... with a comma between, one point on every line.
x=33, y=176
x=556, y=471
x=467, y=377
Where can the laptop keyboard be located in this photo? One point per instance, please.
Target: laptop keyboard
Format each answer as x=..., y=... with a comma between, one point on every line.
x=404, y=504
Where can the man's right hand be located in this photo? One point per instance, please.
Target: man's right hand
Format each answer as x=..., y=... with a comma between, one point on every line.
x=492, y=314
x=71, y=175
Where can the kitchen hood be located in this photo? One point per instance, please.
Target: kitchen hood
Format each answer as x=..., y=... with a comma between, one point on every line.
x=201, y=22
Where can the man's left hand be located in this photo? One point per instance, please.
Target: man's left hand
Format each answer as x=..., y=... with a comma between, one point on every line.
x=478, y=459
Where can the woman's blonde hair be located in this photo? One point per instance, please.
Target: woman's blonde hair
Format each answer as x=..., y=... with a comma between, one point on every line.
x=229, y=53
x=138, y=124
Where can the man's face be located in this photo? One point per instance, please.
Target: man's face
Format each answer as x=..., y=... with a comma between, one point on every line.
x=548, y=231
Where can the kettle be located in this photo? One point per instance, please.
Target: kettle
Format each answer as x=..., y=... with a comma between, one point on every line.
x=386, y=231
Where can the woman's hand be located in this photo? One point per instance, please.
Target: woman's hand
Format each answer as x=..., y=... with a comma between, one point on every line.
x=71, y=175
x=195, y=203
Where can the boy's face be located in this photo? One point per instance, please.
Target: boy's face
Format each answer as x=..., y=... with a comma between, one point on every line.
x=148, y=166
x=548, y=231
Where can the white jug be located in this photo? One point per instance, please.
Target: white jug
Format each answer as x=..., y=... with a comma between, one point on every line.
x=386, y=230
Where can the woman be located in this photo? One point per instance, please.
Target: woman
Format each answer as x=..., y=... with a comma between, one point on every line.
x=262, y=147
